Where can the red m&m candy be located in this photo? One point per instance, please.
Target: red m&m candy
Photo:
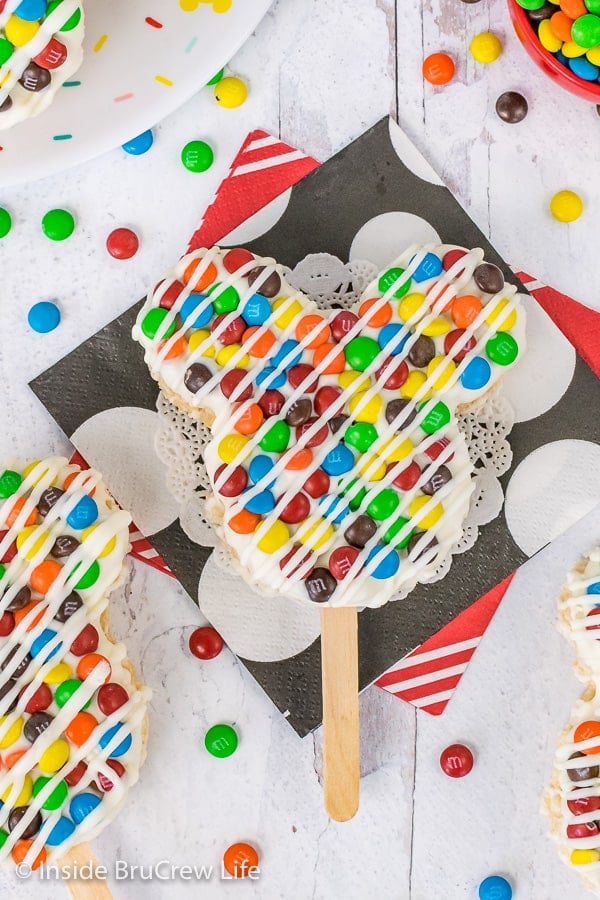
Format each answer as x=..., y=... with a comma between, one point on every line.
x=171, y=294
x=317, y=483
x=341, y=561
x=122, y=243
x=230, y=382
x=52, y=56
x=234, y=484
x=110, y=697
x=456, y=760
x=296, y=510
x=236, y=258
x=342, y=324
x=205, y=643
x=326, y=401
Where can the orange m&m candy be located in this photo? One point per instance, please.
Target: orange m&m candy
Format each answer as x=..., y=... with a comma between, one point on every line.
x=20, y=851
x=260, y=346
x=20, y=614
x=11, y=759
x=250, y=420
x=80, y=728
x=44, y=575
x=16, y=509
x=438, y=68
x=573, y=8
x=244, y=522
x=314, y=326
x=561, y=26
x=584, y=732
x=203, y=280
x=302, y=459
x=89, y=662
x=465, y=310
x=240, y=859
x=335, y=364
x=177, y=348
x=379, y=318
x=83, y=483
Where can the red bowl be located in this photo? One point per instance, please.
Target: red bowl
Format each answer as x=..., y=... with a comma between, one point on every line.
x=589, y=90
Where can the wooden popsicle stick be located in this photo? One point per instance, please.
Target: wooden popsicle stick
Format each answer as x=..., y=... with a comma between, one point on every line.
x=339, y=672
x=82, y=888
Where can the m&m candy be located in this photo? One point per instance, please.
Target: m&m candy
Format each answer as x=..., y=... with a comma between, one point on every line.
x=438, y=68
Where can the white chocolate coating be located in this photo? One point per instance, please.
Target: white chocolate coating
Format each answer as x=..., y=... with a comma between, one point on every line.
x=444, y=383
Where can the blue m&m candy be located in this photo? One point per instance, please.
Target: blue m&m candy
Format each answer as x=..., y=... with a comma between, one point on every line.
x=339, y=460
x=583, y=68
x=476, y=374
x=83, y=514
x=40, y=642
x=285, y=357
x=388, y=562
x=121, y=748
x=275, y=379
x=30, y=10
x=140, y=144
x=63, y=829
x=83, y=804
x=259, y=467
x=197, y=310
x=43, y=316
x=335, y=508
x=390, y=333
x=495, y=887
x=261, y=503
x=429, y=267
x=256, y=310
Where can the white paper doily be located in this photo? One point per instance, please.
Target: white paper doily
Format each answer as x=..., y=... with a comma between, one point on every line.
x=486, y=424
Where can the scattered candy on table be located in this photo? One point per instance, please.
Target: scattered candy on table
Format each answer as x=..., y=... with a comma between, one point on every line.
x=58, y=224
x=511, y=107
x=205, y=643
x=486, y=47
x=566, y=206
x=495, y=887
x=122, y=243
x=197, y=156
x=230, y=92
x=5, y=222
x=438, y=68
x=221, y=740
x=140, y=144
x=240, y=860
x=456, y=760
x=43, y=316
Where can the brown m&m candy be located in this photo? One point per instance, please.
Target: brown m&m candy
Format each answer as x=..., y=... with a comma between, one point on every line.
x=196, y=376
x=299, y=412
x=488, y=278
x=22, y=665
x=584, y=772
x=36, y=725
x=422, y=550
x=512, y=107
x=69, y=606
x=64, y=545
x=437, y=481
x=422, y=351
x=20, y=599
x=15, y=817
x=393, y=410
x=320, y=584
x=47, y=500
x=35, y=78
x=270, y=287
x=360, y=531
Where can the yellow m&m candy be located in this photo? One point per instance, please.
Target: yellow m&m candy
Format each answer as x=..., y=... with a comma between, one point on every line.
x=61, y=672
x=371, y=467
x=34, y=547
x=498, y=312
x=436, y=327
x=232, y=447
x=428, y=519
x=566, y=206
x=12, y=734
x=19, y=32
x=395, y=450
x=366, y=410
x=24, y=795
x=198, y=337
x=411, y=305
x=54, y=757
x=447, y=368
x=361, y=382
x=311, y=539
x=413, y=383
x=584, y=857
x=108, y=547
x=275, y=536
x=225, y=355
x=289, y=311
x=486, y=47
x=230, y=92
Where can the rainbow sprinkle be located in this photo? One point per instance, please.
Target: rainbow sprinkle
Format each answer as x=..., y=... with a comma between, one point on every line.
x=100, y=43
x=162, y=80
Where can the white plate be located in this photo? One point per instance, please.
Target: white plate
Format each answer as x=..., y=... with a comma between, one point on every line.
x=119, y=95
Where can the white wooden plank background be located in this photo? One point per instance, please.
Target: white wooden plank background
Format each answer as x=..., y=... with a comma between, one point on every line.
x=320, y=73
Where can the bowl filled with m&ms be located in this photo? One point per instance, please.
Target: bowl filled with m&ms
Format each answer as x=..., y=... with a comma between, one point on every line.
x=563, y=38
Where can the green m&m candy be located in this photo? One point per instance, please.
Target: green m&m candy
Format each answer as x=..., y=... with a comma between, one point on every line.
x=360, y=435
x=65, y=691
x=389, y=279
x=502, y=349
x=58, y=795
x=221, y=740
x=89, y=577
x=355, y=493
x=152, y=324
x=58, y=224
x=5, y=221
x=394, y=529
x=71, y=22
x=383, y=504
x=3, y=838
x=276, y=439
x=6, y=50
x=436, y=418
x=197, y=156
x=9, y=483
x=360, y=352
x=531, y=4
x=216, y=78
x=585, y=31
x=225, y=300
